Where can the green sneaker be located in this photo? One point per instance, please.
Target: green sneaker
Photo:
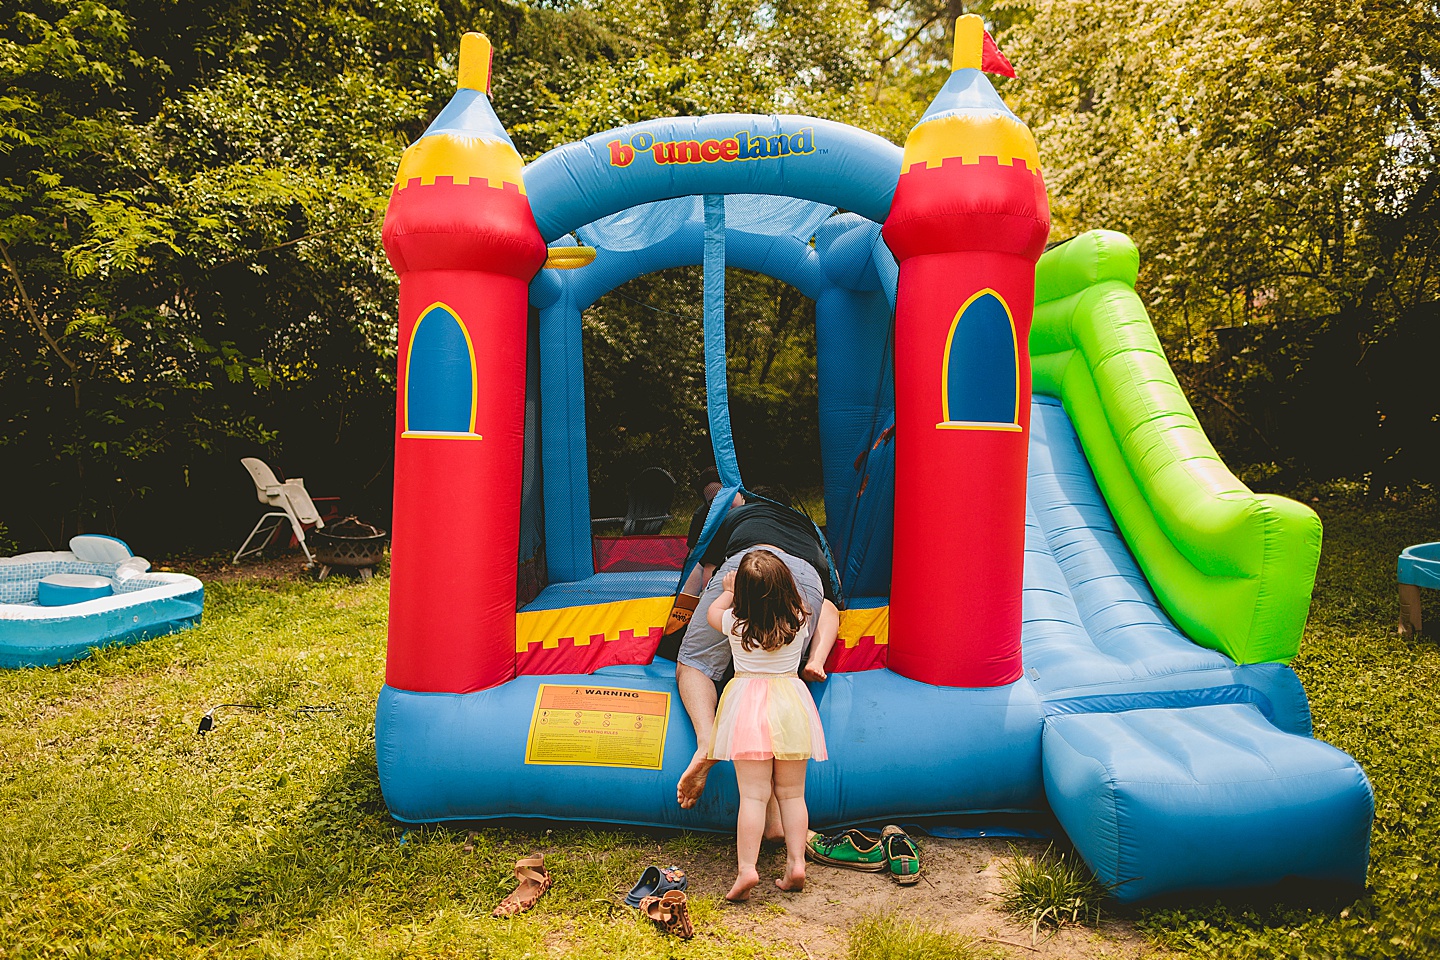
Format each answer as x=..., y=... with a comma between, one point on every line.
x=901, y=854
x=852, y=849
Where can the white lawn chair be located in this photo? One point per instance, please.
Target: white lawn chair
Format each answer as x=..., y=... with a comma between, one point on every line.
x=288, y=500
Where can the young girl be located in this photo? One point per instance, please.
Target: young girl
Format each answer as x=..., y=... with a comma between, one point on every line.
x=766, y=721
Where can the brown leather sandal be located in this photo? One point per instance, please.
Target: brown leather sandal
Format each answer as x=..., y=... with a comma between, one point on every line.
x=671, y=914
x=534, y=881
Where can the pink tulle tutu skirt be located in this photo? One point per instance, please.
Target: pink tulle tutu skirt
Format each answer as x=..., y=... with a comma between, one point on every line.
x=762, y=717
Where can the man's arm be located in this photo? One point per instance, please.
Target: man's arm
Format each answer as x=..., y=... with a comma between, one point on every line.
x=827, y=630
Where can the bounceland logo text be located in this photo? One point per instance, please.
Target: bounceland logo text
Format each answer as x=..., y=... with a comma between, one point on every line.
x=742, y=146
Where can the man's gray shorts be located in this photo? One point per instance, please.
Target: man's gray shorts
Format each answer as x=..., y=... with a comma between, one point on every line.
x=705, y=648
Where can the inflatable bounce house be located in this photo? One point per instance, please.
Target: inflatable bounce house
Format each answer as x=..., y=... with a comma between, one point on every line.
x=1057, y=597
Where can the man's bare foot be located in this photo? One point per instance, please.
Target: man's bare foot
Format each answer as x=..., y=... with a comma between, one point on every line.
x=745, y=881
x=775, y=834
x=794, y=879
x=692, y=781
x=814, y=672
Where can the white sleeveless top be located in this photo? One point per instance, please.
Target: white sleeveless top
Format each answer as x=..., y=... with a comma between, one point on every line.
x=784, y=662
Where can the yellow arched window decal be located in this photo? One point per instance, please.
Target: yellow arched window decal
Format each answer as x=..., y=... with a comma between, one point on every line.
x=441, y=386
x=980, y=370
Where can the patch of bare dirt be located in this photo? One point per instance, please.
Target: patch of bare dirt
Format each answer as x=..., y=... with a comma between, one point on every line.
x=268, y=566
x=959, y=892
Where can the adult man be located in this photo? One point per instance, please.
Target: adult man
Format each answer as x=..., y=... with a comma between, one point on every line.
x=704, y=654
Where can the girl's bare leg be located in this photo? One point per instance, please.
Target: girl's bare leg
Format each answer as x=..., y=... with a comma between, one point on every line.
x=754, y=778
x=789, y=780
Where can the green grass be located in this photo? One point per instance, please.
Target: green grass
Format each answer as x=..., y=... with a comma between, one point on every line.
x=810, y=499
x=1374, y=696
x=126, y=835
x=1050, y=891
x=886, y=937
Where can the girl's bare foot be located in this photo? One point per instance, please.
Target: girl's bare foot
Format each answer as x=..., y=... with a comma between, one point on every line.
x=794, y=879
x=745, y=881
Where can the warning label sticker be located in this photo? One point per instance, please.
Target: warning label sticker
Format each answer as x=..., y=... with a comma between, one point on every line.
x=598, y=727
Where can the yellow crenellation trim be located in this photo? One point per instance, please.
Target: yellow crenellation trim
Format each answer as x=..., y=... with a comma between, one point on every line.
x=547, y=628
x=970, y=137
x=578, y=624
x=462, y=158
x=867, y=622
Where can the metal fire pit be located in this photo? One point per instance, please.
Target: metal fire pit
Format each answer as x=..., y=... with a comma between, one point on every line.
x=349, y=543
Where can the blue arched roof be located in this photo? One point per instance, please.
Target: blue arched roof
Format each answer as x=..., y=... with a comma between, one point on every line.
x=833, y=164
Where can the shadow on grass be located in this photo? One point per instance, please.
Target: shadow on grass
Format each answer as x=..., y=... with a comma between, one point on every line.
x=297, y=871
x=344, y=855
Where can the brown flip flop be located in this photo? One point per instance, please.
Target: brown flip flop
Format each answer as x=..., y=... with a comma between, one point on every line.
x=533, y=879
x=671, y=914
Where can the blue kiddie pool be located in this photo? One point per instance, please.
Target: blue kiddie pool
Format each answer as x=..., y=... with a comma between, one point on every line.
x=56, y=607
x=1418, y=567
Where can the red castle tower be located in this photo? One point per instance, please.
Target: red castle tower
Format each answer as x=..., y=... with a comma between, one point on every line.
x=969, y=220
x=460, y=234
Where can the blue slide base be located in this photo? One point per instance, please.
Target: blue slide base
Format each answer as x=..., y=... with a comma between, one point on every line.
x=898, y=749
x=1205, y=799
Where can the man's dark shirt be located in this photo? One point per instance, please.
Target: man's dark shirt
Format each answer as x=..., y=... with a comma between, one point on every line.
x=756, y=523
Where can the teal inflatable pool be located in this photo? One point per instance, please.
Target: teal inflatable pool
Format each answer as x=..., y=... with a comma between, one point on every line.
x=140, y=605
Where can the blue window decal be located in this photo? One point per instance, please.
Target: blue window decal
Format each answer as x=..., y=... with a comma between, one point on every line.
x=980, y=373
x=440, y=378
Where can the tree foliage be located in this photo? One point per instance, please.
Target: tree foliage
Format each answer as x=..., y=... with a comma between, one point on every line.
x=1274, y=160
x=189, y=228
x=1277, y=164
x=190, y=198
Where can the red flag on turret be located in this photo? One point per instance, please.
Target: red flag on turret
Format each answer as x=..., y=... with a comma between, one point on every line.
x=992, y=60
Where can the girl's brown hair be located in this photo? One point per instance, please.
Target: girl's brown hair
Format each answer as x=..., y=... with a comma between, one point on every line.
x=768, y=608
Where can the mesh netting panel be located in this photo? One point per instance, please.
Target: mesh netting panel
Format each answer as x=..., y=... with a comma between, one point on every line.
x=632, y=554
x=775, y=216
x=648, y=223
x=532, y=515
